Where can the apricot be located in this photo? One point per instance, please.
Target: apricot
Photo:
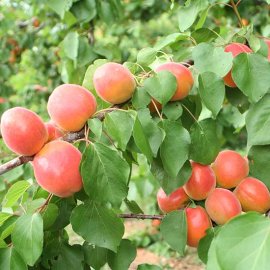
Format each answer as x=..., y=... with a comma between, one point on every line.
x=53, y=131
x=201, y=182
x=267, y=41
x=235, y=49
x=2, y=100
x=230, y=168
x=222, y=205
x=183, y=76
x=114, y=83
x=197, y=223
x=56, y=168
x=23, y=131
x=253, y=195
x=70, y=105
x=176, y=200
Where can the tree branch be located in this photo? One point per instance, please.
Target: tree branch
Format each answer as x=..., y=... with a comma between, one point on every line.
x=141, y=216
x=235, y=9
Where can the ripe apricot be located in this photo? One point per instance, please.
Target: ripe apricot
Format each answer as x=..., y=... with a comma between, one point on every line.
x=197, y=223
x=201, y=182
x=253, y=195
x=70, y=105
x=230, y=168
x=23, y=131
x=56, y=168
x=53, y=131
x=235, y=49
x=183, y=76
x=114, y=83
x=267, y=41
x=176, y=200
x=222, y=205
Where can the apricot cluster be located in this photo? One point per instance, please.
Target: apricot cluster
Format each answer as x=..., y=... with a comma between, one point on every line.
x=225, y=190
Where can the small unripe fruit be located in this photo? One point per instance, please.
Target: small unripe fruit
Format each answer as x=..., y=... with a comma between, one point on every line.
x=183, y=76
x=114, y=83
x=222, y=205
x=253, y=195
x=201, y=182
x=70, y=105
x=176, y=200
x=197, y=223
x=230, y=168
x=56, y=168
x=235, y=49
x=23, y=131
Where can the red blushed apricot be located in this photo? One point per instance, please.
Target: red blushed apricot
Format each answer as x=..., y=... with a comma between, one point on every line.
x=56, y=168
x=201, y=182
x=23, y=131
x=114, y=83
x=70, y=105
x=222, y=205
x=267, y=41
x=53, y=131
x=230, y=168
x=197, y=223
x=253, y=195
x=235, y=49
x=183, y=76
x=176, y=200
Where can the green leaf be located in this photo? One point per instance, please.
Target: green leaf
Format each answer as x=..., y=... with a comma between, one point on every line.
x=205, y=144
x=71, y=45
x=49, y=215
x=162, y=86
x=10, y=259
x=140, y=98
x=245, y=74
x=27, y=237
x=175, y=147
x=244, y=243
x=258, y=122
x=259, y=157
x=148, y=267
x=4, y=217
x=173, y=110
x=95, y=126
x=95, y=256
x=133, y=207
x=15, y=192
x=170, y=39
x=212, y=262
x=124, y=256
x=188, y=14
x=84, y=10
x=174, y=230
x=146, y=56
x=85, y=52
x=141, y=140
x=155, y=135
x=60, y=7
x=212, y=91
x=203, y=35
x=202, y=19
x=88, y=82
x=119, y=126
x=105, y=173
x=207, y=58
x=105, y=227
x=205, y=244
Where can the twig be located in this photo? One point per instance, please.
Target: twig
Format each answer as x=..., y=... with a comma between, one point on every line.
x=91, y=31
x=43, y=206
x=141, y=216
x=234, y=6
x=14, y=163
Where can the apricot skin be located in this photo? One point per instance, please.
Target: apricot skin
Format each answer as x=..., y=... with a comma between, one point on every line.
x=253, y=195
x=230, y=168
x=176, y=200
x=267, y=41
x=222, y=205
x=114, y=83
x=201, y=182
x=183, y=76
x=53, y=131
x=197, y=223
x=56, y=168
x=235, y=49
x=70, y=105
x=23, y=131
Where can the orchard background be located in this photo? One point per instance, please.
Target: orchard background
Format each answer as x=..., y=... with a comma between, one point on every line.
x=47, y=43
